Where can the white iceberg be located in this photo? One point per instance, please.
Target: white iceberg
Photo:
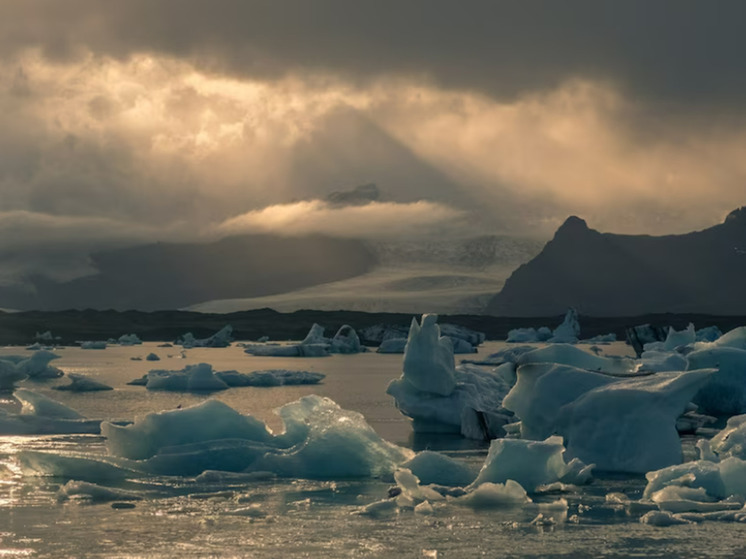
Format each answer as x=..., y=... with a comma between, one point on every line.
x=567, y=354
x=40, y=415
x=442, y=398
x=531, y=464
x=630, y=425
x=569, y=331
x=192, y=378
x=37, y=366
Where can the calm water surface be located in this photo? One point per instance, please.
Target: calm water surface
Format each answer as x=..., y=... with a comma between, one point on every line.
x=299, y=518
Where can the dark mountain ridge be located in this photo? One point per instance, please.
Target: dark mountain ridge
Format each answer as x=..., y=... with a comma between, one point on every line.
x=605, y=274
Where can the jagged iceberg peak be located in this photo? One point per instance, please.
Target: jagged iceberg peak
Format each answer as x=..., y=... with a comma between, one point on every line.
x=428, y=358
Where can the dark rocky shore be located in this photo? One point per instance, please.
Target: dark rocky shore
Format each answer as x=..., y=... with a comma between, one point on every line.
x=20, y=328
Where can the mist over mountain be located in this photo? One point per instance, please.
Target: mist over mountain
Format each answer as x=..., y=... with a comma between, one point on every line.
x=605, y=274
x=173, y=275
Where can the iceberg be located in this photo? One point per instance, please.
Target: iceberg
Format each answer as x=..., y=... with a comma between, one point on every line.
x=271, y=377
x=129, y=339
x=10, y=375
x=569, y=331
x=152, y=357
x=725, y=392
x=221, y=338
x=192, y=378
x=434, y=467
x=40, y=415
x=392, y=345
x=320, y=441
x=490, y=495
x=528, y=335
x=531, y=464
x=566, y=354
x=630, y=425
x=81, y=383
x=541, y=391
x=37, y=366
x=346, y=340
x=93, y=345
x=731, y=441
x=442, y=398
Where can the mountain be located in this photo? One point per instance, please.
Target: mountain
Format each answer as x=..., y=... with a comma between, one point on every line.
x=604, y=274
x=174, y=275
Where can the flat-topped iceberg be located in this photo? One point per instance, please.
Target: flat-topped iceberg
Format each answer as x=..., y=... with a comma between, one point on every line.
x=270, y=377
x=192, y=378
x=566, y=354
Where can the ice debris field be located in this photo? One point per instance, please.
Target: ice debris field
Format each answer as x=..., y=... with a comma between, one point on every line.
x=559, y=429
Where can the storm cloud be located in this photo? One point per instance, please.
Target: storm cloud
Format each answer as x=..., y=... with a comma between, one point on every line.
x=128, y=122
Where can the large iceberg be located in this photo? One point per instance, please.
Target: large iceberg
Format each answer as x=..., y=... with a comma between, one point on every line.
x=630, y=425
x=37, y=366
x=321, y=441
x=725, y=392
x=315, y=344
x=442, y=398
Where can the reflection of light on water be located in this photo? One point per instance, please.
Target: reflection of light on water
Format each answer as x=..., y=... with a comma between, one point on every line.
x=16, y=552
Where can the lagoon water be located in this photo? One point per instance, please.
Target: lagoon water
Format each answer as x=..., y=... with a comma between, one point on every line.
x=181, y=517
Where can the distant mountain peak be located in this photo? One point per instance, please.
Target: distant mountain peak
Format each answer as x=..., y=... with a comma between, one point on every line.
x=737, y=216
x=572, y=226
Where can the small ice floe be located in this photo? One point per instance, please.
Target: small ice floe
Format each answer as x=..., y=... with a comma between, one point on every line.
x=222, y=338
x=81, y=383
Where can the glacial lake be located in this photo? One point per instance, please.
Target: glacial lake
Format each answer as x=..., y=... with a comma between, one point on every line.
x=296, y=517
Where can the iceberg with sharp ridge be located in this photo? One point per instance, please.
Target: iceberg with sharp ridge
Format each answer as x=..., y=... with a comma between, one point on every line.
x=37, y=366
x=569, y=331
x=441, y=398
x=321, y=441
x=40, y=415
x=221, y=338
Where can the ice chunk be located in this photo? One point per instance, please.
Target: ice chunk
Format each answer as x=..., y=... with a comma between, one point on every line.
x=411, y=492
x=10, y=374
x=329, y=442
x=95, y=493
x=346, y=340
x=725, y=392
x=316, y=336
x=542, y=389
x=271, y=377
x=43, y=416
x=658, y=361
x=662, y=518
x=392, y=345
x=708, y=334
x=152, y=357
x=80, y=383
x=731, y=441
x=600, y=339
x=291, y=350
x=129, y=339
x=530, y=463
x=37, y=366
x=630, y=425
x=37, y=404
x=472, y=409
x=428, y=359
x=192, y=378
x=434, y=467
x=221, y=338
x=528, y=335
x=210, y=420
x=495, y=495
x=569, y=331
x=93, y=345
x=566, y=354
x=681, y=338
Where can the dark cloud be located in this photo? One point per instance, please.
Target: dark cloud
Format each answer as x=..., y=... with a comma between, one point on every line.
x=673, y=52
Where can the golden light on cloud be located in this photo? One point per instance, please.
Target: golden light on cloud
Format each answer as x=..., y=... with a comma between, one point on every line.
x=159, y=129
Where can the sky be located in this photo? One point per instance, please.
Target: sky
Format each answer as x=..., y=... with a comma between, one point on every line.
x=130, y=122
